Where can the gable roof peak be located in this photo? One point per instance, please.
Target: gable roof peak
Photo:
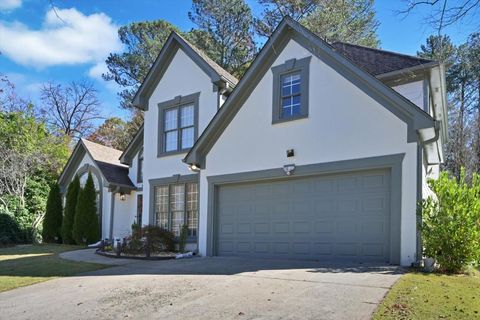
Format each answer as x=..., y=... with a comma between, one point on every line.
x=287, y=30
x=217, y=74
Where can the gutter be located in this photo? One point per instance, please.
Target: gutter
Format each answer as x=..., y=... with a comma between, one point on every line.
x=435, y=137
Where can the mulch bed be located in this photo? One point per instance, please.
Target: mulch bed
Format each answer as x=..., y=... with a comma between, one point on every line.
x=154, y=256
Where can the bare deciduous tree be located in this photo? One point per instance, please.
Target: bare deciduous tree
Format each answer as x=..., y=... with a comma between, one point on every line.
x=443, y=12
x=15, y=169
x=72, y=108
x=9, y=99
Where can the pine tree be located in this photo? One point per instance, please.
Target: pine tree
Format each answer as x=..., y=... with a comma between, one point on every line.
x=85, y=227
x=52, y=222
x=69, y=214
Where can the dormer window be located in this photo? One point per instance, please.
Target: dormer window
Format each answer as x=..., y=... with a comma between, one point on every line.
x=178, y=124
x=290, y=90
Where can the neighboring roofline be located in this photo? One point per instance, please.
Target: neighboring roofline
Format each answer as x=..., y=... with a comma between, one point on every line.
x=133, y=147
x=415, y=70
x=76, y=158
x=386, y=51
x=173, y=43
x=290, y=29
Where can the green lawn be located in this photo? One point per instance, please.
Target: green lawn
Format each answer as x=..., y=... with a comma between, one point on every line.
x=29, y=264
x=432, y=296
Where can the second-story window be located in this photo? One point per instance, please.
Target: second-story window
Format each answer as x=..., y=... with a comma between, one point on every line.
x=290, y=90
x=178, y=124
x=179, y=128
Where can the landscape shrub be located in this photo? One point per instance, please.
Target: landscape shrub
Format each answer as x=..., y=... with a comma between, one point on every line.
x=157, y=239
x=69, y=212
x=85, y=226
x=451, y=223
x=52, y=223
x=9, y=229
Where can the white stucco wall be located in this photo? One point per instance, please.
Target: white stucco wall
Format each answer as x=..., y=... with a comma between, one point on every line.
x=125, y=214
x=413, y=91
x=344, y=123
x=182, y=77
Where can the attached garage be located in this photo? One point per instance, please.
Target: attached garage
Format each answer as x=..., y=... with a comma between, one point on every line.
x=343, y=217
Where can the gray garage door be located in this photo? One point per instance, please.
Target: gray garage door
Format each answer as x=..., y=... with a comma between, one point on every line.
x=330, y=217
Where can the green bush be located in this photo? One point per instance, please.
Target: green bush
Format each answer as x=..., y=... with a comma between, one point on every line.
x=451, y=224
x=69, y=213
x=85, y=226
x=147, y=240
x=157, y=239
x=52, y=223
x=10, y=232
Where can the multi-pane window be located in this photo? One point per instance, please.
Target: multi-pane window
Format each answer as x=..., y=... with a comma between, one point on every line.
x=161, y=206
x=179, y=128
x=291, y=105
x=290, y=90
x=192, y=209
x=177, y=205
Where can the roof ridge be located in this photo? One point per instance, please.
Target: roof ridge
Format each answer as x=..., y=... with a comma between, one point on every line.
x=209, y=60
x=99, y=144
x=383, y=51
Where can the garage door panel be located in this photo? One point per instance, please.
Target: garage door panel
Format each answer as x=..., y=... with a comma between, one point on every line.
x=334, y=217
x=325, y=227
x=281, y=228
x=374, y=181
x=244, y=228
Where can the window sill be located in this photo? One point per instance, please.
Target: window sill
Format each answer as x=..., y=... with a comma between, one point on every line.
x=282, y=120
x=172, y=153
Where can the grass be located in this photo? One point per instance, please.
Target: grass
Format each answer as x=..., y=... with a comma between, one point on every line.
x=25, y=265
x=432, y=296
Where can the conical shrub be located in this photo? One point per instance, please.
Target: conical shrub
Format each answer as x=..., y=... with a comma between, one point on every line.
x=69, y=213
x=52, y=223
x=85, y=226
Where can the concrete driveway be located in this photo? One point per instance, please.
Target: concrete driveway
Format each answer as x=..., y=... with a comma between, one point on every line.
x=206, y=288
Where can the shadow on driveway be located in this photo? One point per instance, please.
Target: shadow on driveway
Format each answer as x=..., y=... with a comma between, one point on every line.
x=236, y=265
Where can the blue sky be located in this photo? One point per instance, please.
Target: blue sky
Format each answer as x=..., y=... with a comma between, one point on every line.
x=37, y=47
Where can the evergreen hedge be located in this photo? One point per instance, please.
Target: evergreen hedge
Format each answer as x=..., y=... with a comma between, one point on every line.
x=52, y=223
x=70, y=207
x=85, y=226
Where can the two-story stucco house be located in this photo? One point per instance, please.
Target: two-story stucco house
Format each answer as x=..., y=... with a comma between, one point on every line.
x=319, y=152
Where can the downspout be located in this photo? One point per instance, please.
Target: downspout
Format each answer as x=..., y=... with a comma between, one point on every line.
x=420, y=186
x=419, y=199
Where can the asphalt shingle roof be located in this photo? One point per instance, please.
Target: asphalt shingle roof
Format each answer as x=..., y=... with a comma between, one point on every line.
x=107, y=160
x=377, y=61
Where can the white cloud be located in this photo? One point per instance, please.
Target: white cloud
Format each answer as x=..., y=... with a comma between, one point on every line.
x=67, y=39
x=8, y=5
x=97, y=70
